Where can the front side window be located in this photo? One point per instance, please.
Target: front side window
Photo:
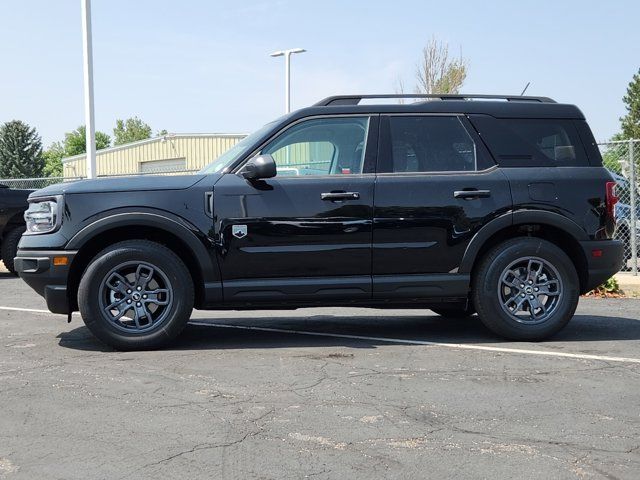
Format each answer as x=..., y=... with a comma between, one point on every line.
x=228, y=158
x=321, y=146
x=430, y=144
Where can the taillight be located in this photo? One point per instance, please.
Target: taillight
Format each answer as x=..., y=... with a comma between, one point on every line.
x=611, y=199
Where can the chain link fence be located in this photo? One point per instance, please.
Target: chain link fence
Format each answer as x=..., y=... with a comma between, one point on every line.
x=37, y=183
x=623, y=160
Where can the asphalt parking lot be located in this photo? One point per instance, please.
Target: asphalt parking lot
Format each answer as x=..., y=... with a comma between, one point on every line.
x=320, y=393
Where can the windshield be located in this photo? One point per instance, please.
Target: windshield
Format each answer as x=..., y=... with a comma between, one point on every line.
x=235, y=152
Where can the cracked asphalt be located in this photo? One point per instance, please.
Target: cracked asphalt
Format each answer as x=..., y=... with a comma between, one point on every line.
x=237, y=403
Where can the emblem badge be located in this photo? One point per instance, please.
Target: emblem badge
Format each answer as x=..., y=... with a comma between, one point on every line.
x=239, y=231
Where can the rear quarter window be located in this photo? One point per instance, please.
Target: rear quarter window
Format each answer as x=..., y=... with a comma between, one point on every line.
x=519, y=142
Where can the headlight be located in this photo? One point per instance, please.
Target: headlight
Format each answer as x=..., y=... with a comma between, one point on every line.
x=43, y=215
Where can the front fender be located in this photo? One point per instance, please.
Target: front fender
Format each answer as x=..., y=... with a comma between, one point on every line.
x=198, y=243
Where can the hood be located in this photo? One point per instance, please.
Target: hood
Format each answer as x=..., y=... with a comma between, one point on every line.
x=121, y=184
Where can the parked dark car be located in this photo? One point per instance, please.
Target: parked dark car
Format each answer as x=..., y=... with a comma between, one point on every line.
x=13, y=203
x=491, y=204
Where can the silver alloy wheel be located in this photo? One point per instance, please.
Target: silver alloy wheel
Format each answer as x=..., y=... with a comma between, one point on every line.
x=530, y=290
x=136, y=297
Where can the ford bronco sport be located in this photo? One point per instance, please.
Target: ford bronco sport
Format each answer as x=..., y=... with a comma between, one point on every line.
x=459, y=203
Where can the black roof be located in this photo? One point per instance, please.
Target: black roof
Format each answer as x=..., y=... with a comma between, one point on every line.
x=500, y=106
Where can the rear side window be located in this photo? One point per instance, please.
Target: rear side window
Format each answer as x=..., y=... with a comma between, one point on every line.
x=526, y=142
x=557, y=140
x=430, y=144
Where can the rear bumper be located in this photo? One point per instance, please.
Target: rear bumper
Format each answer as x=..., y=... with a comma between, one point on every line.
x=36, y=268
x=604, y=259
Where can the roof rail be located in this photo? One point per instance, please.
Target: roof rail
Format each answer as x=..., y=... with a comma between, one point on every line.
x=356, y=99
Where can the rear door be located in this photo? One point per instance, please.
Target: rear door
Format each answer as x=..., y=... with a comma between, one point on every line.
x=306, y=233
x=436, y=186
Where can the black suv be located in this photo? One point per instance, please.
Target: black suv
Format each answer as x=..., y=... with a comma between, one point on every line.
x=13, y=203
x=490, y=204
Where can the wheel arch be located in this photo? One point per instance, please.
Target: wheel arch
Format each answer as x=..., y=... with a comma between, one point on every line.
x=173, y=233
x=553, y=227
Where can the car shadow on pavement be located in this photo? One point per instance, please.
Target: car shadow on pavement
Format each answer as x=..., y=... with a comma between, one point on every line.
x=7, y=275
x=428, y=328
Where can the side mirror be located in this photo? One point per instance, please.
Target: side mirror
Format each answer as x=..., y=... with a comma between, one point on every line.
x=261, y=166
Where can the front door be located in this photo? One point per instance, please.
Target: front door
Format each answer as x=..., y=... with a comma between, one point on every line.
x=437, y=185
x=306, y=233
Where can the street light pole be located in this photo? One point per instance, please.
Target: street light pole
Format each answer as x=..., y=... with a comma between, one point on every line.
x=287, y=81
x=87, y=51
x=287, y=73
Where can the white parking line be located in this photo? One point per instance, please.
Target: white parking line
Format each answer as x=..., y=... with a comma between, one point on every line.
x=31, y=310
x=459, y=346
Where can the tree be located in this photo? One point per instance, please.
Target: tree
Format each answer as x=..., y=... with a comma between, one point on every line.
x=53, y=160
x=20, y=151
x=75, y=142
x=631, y=121
x=130, y=130
x=437, y=72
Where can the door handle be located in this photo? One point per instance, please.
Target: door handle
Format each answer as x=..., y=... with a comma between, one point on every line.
x=470, y=194
x=334, y=196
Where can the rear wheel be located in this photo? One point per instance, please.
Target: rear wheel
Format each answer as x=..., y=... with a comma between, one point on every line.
x=9, y=248
x=136, y=295
x=525, y=289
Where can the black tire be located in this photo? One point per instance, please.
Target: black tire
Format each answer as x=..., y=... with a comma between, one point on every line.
x=454, y=312
x=96, y=289
x=9, y=248
x=489, y=291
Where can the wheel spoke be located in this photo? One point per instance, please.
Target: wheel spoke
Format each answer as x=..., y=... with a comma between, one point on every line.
x=116, y=306
x=144, y=274
x=535, y=304
x=511, y=279
x=153, y=296
x=147, y=314
x=550, y=288
x=517, y=300
x=118, y=283
x=534, y=273
x=140, y=313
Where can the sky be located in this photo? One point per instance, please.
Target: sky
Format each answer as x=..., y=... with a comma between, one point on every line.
x=194, y=66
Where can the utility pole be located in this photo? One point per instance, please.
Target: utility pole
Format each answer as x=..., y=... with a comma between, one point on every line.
x=87, y=65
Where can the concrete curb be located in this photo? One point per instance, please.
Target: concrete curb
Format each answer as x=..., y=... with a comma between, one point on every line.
x=628, y=283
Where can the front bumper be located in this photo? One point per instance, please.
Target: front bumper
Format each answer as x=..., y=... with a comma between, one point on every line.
x=604, y=259
x=37, y=269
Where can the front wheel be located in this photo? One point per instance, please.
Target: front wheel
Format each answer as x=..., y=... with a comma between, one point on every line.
x=526, y=289
x=136, y=295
